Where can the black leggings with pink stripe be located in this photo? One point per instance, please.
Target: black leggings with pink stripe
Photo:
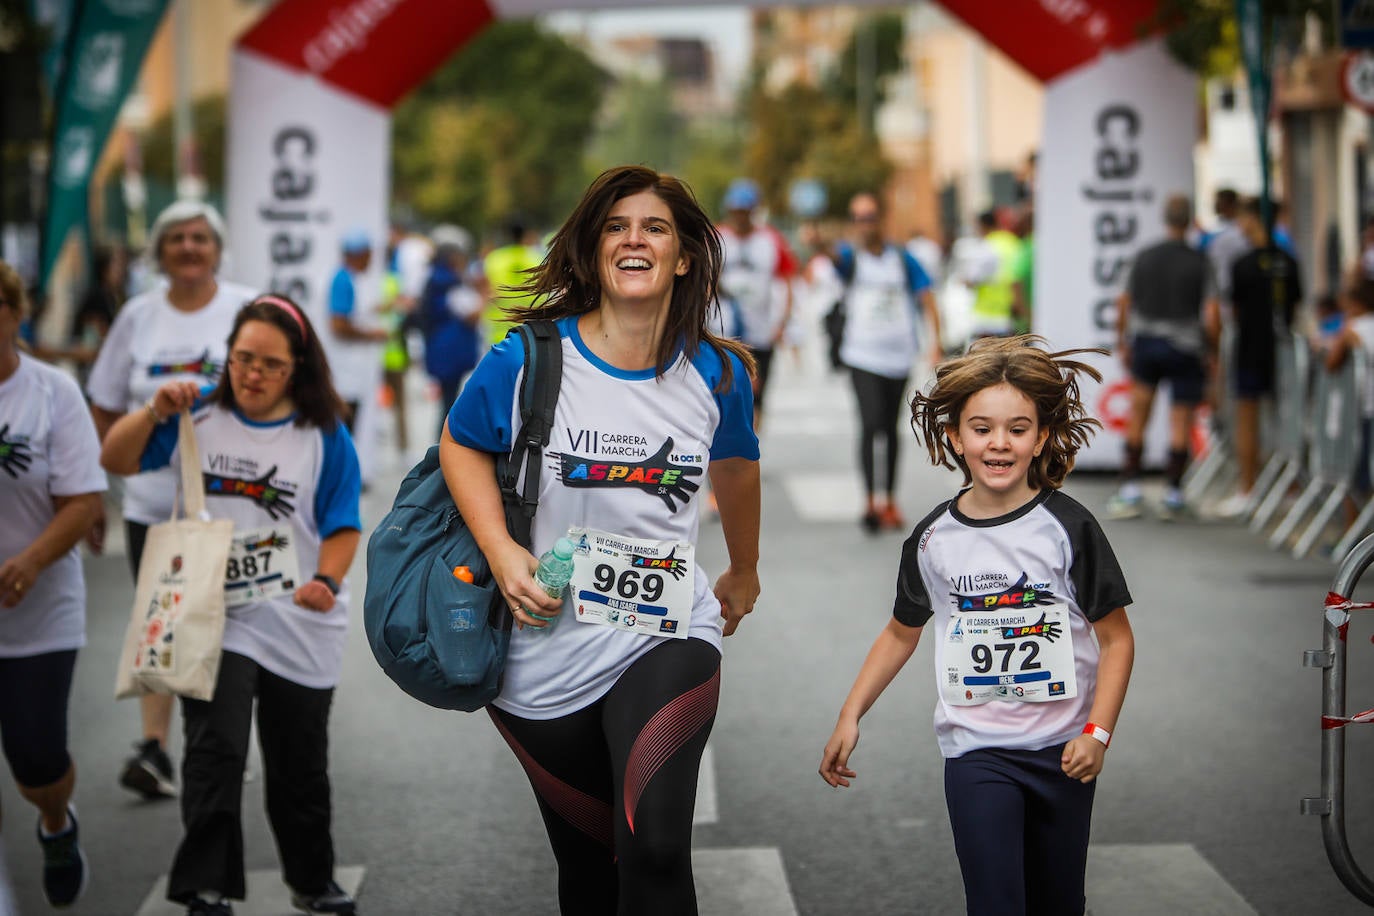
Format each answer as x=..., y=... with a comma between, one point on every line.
x=617, y=783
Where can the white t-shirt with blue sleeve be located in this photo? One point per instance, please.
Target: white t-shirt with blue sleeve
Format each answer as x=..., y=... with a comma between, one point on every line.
x=302, y=480
x=628, y=455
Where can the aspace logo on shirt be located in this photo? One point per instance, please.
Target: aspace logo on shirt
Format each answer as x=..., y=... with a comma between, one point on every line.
x=655, y=474
x=203, y=365
x=969, y=594
x=275, y=499
x=14, y=452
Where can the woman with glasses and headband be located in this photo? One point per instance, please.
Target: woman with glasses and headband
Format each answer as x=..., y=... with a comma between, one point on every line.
x=173, y=331
x=50, y=485
x=280, y=464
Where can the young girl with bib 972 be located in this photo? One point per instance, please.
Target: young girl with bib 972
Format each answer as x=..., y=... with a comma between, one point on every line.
x=1026, y=603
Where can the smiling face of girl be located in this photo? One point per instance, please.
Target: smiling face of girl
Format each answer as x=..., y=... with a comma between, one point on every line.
x=998, y=435
x=640, y=252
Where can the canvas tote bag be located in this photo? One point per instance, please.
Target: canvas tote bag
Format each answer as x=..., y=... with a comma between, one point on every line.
x=176, y=629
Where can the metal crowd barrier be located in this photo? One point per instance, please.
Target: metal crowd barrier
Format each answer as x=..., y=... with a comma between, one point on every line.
x=1220, y=457
x=1331, y=658
x=1292, y=383
x=1335, y=452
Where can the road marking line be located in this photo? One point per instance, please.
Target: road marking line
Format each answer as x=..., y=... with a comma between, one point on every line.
x=1146, y=879
x=707, y=809
x=268, y=895
x=746, y=880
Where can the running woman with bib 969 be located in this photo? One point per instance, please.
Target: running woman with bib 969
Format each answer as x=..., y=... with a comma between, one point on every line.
x=1027, y=605
x=608, y=712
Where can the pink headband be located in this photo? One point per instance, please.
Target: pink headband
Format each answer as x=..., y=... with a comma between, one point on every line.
x=288, y=308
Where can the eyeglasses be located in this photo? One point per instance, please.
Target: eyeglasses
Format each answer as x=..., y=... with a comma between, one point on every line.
x=270, y=367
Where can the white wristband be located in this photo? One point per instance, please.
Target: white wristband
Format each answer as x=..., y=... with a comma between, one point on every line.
x=1099, y=733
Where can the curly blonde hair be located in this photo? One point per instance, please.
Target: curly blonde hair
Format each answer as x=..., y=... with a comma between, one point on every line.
x=1048, y=379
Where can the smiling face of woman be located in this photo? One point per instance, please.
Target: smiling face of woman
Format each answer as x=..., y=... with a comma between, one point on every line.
x=260, y=370
x=640, y=252
x=188, y=252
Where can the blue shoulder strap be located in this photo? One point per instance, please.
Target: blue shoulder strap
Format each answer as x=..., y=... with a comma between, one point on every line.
x=844, y=264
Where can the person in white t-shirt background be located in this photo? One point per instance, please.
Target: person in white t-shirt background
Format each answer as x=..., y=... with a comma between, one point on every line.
x=173, y=331
x=755, y=280
x=50, y=486
x=279, y=463
x=1357, y=302
x=356, y=335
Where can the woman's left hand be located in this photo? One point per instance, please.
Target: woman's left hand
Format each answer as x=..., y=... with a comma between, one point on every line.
x=17, y=575
x=737, y=590
x=315, y=596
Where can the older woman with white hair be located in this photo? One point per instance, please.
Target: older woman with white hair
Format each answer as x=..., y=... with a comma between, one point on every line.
x=177, y=330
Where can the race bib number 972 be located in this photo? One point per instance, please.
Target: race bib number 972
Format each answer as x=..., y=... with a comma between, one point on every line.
x=1023, y=655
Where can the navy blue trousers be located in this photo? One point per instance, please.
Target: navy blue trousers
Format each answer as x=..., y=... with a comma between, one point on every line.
x=1020, y=831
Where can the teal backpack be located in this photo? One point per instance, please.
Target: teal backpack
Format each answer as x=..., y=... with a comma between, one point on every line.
x=443, y=640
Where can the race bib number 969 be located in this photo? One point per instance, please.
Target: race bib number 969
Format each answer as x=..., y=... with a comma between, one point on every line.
x=632, y=584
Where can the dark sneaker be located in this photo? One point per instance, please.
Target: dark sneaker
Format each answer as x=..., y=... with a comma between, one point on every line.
x=149, y=772
x=332, y=901
x=199, y=907
x=64, y=864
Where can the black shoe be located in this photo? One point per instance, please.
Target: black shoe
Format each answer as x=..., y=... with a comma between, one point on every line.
x=149, y=772
x=332, y=901
x=64, y=864
x=871, y=521
x=199, y=907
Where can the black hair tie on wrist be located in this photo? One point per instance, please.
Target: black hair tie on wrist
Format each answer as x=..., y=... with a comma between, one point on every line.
x=329, y=582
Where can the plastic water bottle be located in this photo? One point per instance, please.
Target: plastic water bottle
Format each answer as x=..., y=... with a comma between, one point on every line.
x=554, y=572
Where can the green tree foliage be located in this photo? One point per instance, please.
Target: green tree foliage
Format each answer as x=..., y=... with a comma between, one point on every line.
x=1202, y=33
x=640, y=126
x=159, y=146
x=872, y=53
x=496, y=130
x=803, y=132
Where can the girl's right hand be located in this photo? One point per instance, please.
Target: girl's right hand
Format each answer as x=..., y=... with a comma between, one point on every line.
x=513, y=569
x=835, y=761
x=174, y=397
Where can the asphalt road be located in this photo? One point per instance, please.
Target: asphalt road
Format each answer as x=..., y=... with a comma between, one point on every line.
x=1197, y=811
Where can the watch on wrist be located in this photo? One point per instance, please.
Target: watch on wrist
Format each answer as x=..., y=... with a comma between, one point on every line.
x=329, y=582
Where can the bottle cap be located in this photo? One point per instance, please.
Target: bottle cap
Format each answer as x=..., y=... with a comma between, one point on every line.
x=462, y=572
x=563, y=548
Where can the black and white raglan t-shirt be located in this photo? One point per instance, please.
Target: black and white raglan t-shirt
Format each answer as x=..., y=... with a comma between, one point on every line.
x=1013, y=599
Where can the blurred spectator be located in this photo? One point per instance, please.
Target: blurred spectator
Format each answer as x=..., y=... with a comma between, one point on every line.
x=96, y=313
x=450, y=315
x=1160, y=337
x=176, y=330
x=755, y=277
x=357, y=333
x=505, y=269
x=1265, y=288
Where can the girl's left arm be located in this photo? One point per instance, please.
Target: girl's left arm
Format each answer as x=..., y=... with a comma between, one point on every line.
x=336, y=555
x=736, y=482
x=1084, y=755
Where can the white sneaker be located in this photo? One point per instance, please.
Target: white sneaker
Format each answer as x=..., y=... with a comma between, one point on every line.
x=1233, y=506
x=1123, y=506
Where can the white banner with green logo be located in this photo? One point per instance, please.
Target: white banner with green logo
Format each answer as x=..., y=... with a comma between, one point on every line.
x=107, y=42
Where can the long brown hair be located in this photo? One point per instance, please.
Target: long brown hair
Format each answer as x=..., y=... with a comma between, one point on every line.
x=568, y=281
x=312, y=385
x=1049, y=380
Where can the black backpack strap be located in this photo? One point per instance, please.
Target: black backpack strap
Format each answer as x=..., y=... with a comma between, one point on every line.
x=538, y=398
